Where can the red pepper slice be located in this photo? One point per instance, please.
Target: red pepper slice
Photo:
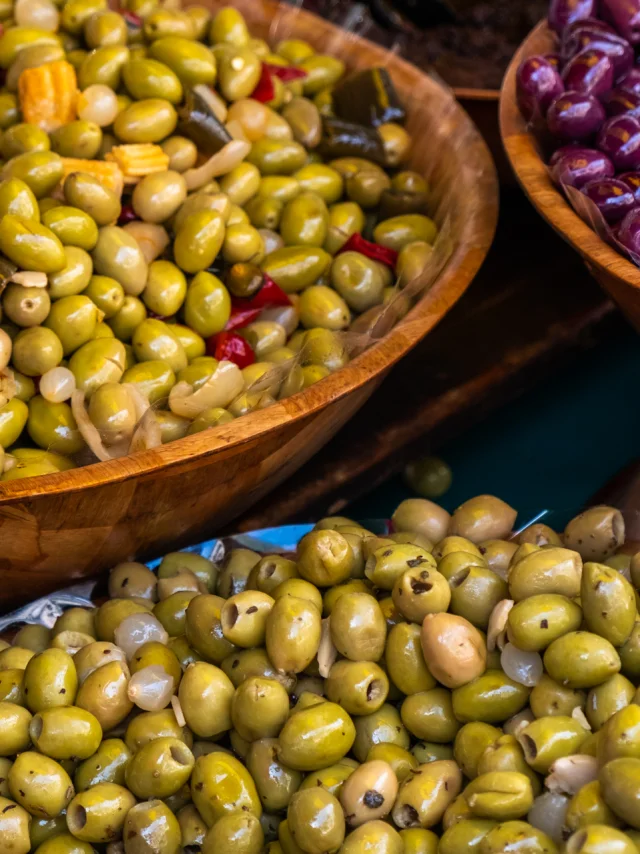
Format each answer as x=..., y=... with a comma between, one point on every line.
x=241, y=316
x=269, y=295
x=357, y=243
x=231, y=347
x=131, y=18
x=127, y=214
x=265, y=90
x=286, y=73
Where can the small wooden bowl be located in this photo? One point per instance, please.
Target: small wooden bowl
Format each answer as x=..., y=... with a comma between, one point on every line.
x=618, y=276
x=73, y=524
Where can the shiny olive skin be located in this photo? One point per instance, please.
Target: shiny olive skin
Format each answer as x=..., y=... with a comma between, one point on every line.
x=382, y=727
x=608, y=603
x=98, y=815
x=50, y=680
x=275, y=782
x=491, y=698
x=546, y=739
x=107, y=765
x=159, y=769
x=14, y=827
x=581, y=660
x=538, y=620
x=316, y=737
x=40, y=784
x=220, y=784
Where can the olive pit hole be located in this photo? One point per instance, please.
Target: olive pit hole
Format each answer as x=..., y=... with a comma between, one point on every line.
x=77, y=818
x=459, y=578
x=180, y=754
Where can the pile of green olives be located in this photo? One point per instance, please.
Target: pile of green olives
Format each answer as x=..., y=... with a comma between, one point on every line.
x=248, y=231
x=450, y=687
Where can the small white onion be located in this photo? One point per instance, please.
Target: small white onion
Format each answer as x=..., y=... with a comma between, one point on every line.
x=286, y=316
x=57, y=384
x=579, y=716
x=327, y=653
x=220, y=163
x=496, y=631
x=547, y=814
x=30, y=279
x=98, y=104
x=223, y=386
x=570, y=773
x=37, y=14
x=138, y=629
x=177, y=711
x=151, y=688
x=6, y=347
x=523, y=667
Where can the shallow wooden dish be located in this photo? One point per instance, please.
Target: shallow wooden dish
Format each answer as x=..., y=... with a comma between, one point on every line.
x=72, y=524
x=618, y=276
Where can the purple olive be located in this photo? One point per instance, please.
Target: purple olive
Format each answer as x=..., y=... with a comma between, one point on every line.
x=567, y=149
x=632, y=180
x=628, y=232
x=575, y=116
x=564, y=12
x=631, y=81
x=589, y=72
x=619, y=102
x=612, y=197
x=555, y=59
x=625, y=17
x=537, y=84
x=579, y=166
x=619, y=139
x=617, y=49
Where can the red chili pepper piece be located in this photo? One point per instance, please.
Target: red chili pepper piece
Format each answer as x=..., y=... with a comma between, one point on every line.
x=286, y=73
x=241, y=316
x=265, y=90
x=269, y=295
x=231, y=347
x=127, y=214
x=131, y=18
x=357, y=243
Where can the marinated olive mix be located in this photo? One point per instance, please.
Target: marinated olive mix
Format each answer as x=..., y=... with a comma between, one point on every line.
x=450, y=688
x=190, y=218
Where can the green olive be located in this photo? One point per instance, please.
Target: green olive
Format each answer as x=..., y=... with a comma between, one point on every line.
x=103, y=66
x=149, y=120
x=220, y=785
x=97, y=362
x=41, y=171
x=87, y=193
x=72, y=226
x=192, y=62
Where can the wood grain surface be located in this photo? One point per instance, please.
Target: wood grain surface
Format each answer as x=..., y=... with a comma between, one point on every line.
x=64, y=526
x=618, y=276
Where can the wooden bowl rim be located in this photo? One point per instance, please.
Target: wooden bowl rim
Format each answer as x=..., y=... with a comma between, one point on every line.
x=472, y=246
x=533, y=175
x=464, y=93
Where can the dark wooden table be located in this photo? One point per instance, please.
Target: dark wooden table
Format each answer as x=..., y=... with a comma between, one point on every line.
x=532, y=305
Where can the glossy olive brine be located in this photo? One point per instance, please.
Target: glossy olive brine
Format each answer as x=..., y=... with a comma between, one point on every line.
x=448, y=686
x=191, y=220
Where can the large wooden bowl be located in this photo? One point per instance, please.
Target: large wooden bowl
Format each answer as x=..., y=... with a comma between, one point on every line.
x=618, y=276
x=63, y=526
